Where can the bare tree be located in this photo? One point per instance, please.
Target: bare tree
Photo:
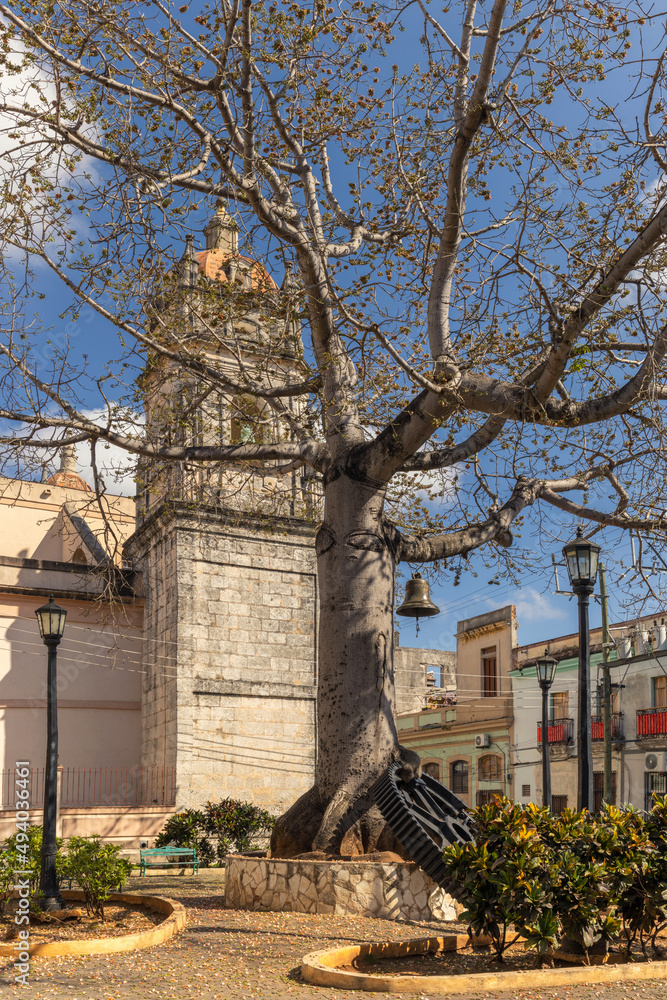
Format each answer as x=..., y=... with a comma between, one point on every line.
x=474, y=254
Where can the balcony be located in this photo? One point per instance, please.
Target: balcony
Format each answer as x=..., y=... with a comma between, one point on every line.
x=651, y=722
x=597, y=730
x=559, y=731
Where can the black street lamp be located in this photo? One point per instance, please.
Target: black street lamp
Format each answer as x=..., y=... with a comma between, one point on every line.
x=581, y=558
x=546, y=671
x=51, y=619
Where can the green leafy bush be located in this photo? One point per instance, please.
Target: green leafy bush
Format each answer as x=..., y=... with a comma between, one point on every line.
x=506, y=878
x=21, y=852
x=187, y=829
x=217, y=829
x=643, y=902
x=572, y=875
x=97, y=868
x=236, y=825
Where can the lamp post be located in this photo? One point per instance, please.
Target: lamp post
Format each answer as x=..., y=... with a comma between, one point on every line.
x=51, y=619
x=581, y=558
x=546, y=670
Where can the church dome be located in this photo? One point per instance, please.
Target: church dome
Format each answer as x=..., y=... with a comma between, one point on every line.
x=67, y=477
x=68, y=481
x=218, y=264
x=221, y=260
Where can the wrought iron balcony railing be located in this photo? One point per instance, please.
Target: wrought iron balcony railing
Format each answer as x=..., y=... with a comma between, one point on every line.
x=559, y=731
x=597, y=729
x=651, y=722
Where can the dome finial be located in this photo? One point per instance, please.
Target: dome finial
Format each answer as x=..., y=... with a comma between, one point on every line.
x=68, y=458
x=222, y=231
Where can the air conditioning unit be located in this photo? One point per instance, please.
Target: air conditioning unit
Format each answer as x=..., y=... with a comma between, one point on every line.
x=655, y=761
x=483, y=740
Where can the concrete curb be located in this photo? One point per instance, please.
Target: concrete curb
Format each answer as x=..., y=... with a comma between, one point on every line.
x=320, y=968
x=176, y=919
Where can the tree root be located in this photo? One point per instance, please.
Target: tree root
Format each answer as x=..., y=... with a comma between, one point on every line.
x=348, y=824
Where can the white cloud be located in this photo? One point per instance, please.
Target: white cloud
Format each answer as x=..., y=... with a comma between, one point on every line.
x=26, y=146
x=115, y=466
x=532, y=606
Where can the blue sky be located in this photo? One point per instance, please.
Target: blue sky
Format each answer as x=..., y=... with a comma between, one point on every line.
x=541, y=613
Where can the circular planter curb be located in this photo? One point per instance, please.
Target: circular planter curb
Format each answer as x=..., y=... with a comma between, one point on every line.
x=321, y=969
x=176, y=919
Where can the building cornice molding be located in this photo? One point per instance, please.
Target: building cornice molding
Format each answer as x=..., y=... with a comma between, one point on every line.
x=191, y=517
x=476, y=633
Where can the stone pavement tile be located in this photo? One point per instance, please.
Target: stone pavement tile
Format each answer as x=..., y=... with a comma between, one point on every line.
x=236, y=955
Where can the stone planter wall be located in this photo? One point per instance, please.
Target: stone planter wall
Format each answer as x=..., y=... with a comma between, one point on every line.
x=396, y=891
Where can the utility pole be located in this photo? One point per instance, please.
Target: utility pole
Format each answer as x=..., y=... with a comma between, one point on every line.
x=606, y=687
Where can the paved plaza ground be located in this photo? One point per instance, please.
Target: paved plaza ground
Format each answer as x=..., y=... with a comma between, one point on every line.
x=235, y=955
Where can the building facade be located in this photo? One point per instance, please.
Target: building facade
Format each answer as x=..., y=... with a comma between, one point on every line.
x=465, y=737
x=638, y=670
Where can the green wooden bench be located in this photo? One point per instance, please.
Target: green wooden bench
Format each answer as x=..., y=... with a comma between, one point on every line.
x=164, y=857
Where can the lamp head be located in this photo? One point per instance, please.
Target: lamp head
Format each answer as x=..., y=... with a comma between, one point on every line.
x=51, y=620
x=546, y=670
x=581, y=559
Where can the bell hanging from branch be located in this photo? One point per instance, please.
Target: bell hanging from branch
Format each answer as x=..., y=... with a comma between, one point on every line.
x=417, y=603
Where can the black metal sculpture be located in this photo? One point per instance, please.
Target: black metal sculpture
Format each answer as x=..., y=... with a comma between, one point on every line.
x=424, y=815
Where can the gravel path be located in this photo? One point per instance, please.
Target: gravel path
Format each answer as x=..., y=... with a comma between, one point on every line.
x=235, y=955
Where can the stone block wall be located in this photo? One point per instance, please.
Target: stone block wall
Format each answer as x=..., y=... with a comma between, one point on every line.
x=394, y=891
x=231, y=654
x=242, y=600
x=155, y=552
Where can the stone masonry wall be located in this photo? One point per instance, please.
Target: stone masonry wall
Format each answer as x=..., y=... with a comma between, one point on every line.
x=155, y=554
x=395, y=891
x=243, y=700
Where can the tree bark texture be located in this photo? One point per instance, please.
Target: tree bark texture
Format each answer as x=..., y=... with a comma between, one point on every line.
x=356, y=729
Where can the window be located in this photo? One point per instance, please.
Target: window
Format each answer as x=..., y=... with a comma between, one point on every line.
x=486, y=796
x=525, y=791
x=660, y=691
x=558, y=804
x=489, y=672
x=459, y=771
x=432, y=768
x=560, y=705
x=246, y=427
x=655, y=783
x=433, y=675
x=490, y=767
x=79, y=556
x=598, y=789
x=615, y=699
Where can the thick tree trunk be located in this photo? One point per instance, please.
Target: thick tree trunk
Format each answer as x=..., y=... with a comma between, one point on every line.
x=355, y=704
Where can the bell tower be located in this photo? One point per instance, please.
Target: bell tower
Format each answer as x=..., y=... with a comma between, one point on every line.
x=226, y=553
x=227, y=314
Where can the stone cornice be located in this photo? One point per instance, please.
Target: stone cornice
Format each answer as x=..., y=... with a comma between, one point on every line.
x=188, y=515
x=475, y=633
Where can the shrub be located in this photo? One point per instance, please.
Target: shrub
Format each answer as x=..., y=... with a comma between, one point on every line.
x=236, y=825
x=220, y=827
x=505, y=877
x=97, y=868
x=643, y=902
x=187, y=829
x=571, y=874
x=21, y=852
